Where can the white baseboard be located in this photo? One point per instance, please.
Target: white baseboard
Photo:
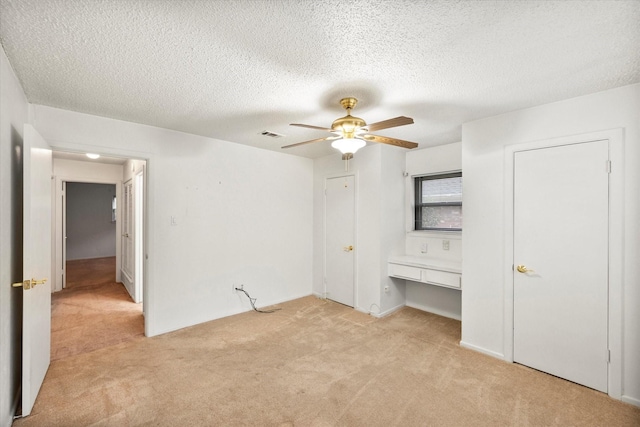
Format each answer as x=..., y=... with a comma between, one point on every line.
x=387, y=312
x=128, y=284
x=631, y=400
x=283, y=300
x=482, y=350
x=379, y=315
x=361, y=310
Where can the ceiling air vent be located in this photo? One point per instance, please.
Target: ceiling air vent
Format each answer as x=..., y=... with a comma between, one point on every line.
x=270, y=134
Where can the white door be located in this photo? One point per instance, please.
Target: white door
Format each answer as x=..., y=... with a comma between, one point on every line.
x=64, y=235
x=139, y=236
x=561, y=233
x=340, y=239
x=128, y=254
x=36, y=299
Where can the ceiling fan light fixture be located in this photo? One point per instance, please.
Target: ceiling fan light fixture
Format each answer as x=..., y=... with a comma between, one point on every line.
x=348, y=145
x=351, y=133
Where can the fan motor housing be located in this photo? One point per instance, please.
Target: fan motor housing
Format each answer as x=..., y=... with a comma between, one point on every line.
x=348, y=125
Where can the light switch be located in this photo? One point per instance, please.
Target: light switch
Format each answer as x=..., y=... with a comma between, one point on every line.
x=445, y=245
x=174, y=221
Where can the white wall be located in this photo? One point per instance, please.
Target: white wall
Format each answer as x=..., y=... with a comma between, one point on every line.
x=79, y=171
x=243, y=215
x=91, y=231
x=379, y=223
x=392, y=225
x=483, y=244
x=13, y=115
x=435, y=299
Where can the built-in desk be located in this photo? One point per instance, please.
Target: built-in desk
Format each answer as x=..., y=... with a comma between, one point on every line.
x=426, y=270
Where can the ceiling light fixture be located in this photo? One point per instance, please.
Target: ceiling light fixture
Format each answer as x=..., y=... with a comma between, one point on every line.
x=93, y=156
x=351, y=133
x=348, y=145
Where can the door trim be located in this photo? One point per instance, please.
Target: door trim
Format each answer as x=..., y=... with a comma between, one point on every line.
x=59, y=254
x=139, y=209
x=355, y=234
x=616, y=243
x=129, y=276
x=149, y=217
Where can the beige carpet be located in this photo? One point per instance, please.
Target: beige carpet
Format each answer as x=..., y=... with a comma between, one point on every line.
x=93, y=311
x=314, y=363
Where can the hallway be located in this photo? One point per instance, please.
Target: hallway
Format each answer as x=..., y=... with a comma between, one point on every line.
x=93, y=311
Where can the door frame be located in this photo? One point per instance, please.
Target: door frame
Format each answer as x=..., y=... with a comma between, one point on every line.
x=354, y=174
x=60, y=206
x=616, y=243
x=139, y=224
x=125, y=204
x=148, y=216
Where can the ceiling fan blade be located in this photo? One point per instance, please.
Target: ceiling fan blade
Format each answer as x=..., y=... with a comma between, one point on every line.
x=390, y=141
x=328, y=138
x=391, y=123
x=310, y=127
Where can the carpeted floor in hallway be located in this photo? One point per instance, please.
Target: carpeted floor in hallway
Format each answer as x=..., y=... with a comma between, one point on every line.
x=93, y=311
x=313, y=363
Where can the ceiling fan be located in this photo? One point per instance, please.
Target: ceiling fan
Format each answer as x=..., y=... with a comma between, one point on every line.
x=352, y=133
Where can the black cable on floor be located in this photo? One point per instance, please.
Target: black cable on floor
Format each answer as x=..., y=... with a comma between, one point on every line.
x=253, y=302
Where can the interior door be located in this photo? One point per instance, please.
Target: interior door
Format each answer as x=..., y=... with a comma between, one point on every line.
x=339, y=239
x=561, y=261
x=36, y=323
x=64, y=234
x=128, y=255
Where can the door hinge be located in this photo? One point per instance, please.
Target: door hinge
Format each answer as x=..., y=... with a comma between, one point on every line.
x=608, y=166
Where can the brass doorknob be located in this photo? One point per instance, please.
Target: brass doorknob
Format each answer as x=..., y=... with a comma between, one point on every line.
x=523, y=269
x=28, y=284
x=348, y=248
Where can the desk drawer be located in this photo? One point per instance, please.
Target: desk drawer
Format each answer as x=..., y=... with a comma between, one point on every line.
x=405, y=272
x=442, y=278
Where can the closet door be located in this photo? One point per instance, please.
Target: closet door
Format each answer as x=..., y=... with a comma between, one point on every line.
x=340, y=239
x=561, y=261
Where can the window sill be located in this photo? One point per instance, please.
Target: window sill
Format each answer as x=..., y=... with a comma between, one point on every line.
x=437, y=234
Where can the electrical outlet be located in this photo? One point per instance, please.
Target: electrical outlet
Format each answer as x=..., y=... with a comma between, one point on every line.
x=423, y=248
x=445, y=245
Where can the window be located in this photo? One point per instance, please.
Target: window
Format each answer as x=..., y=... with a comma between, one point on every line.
x=438, y=202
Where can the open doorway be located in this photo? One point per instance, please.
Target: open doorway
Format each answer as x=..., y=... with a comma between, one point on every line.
x=99, y=253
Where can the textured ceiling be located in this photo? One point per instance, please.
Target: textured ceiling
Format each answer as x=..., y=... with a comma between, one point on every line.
x=232, y=69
